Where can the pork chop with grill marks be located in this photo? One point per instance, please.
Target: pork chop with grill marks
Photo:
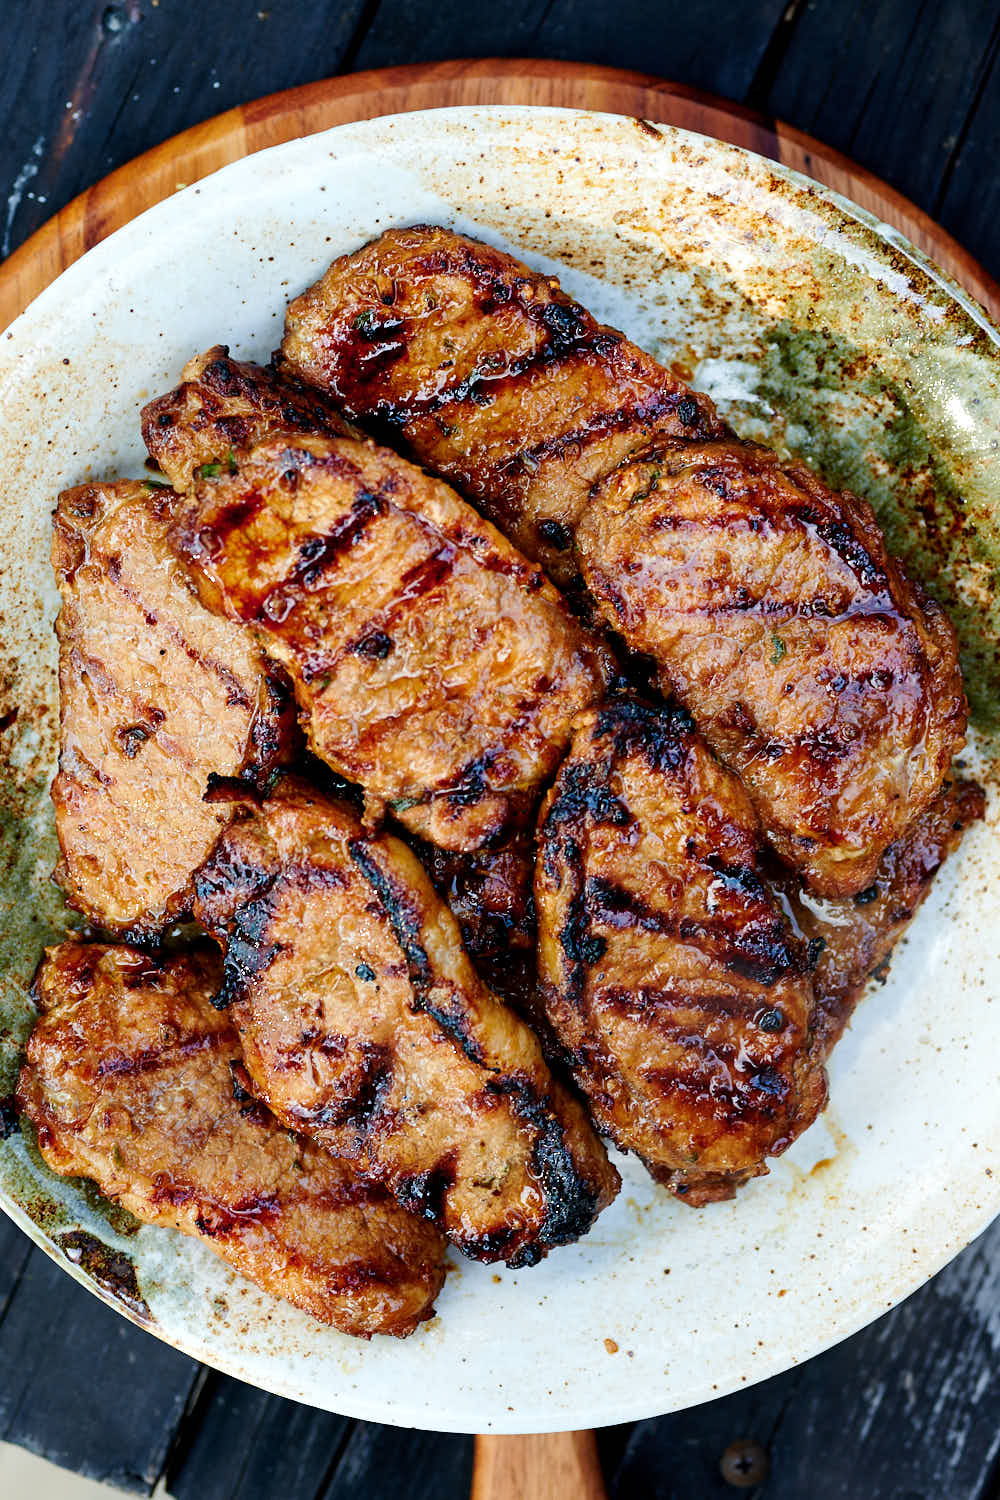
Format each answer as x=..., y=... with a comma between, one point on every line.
x=364, y=1026
x=491, y=376
x=433, y=664
x=159, y=697
x=667, y=969
x=133, y=1079
x=815, y=668
x=223, y=405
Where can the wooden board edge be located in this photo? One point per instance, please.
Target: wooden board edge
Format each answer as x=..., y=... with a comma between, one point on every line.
x=202, y=149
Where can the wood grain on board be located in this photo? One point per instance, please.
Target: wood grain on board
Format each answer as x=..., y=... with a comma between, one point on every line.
x=238, y=132
x=544, y=1466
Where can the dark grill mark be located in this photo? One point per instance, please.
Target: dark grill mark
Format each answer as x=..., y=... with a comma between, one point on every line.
x=453, y=1019
x=582, y=794
x=319, y=552
x=555, y=534
x=660, y=736
x=131, y=738
x=657, y=1006
x=471, y=785
x=405, y=922
x=842, y=540
x=571, y=1202
x=247, y=952
x=756, y=945
x=153, y=1059
x=573, y=938
x=771, y=1020
x=370, y=1079
x=240, y=1082
x=425, y=1193
x=741, y=880
x=418, y=581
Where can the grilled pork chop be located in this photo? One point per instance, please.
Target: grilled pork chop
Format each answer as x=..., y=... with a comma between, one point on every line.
x=132, y=1079
x=491, y=375
x=222, y=405
x=158, y=697
x=433, y=665
x=364, y=1026
x=667, y=968
x=814, y=667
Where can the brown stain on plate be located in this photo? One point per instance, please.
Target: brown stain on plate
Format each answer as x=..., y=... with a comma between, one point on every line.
x=112, y=1270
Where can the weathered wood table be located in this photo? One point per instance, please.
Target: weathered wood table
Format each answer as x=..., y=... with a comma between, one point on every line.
x=909, y=1409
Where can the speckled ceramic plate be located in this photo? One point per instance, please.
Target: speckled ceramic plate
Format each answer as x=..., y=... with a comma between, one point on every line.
x=815, y=328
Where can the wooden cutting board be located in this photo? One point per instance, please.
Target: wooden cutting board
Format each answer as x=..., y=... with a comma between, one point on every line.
x=360, y=96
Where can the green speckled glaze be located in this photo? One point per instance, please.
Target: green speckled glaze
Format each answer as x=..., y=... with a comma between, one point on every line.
x=815, y=329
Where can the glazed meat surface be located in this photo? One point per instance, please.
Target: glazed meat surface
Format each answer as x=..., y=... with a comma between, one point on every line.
x=676, y=986
x=813, y=666
x=223, y=405
x=857, y=934
x=132, y=1079
x=158, y=697
x=433, y=665
x=490, y=893
x=364, y=1026
x=490, y=374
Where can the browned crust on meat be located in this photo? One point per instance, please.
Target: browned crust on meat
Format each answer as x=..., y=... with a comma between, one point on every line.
x=492, y=375
x=667, y=969
x=365, y=1026
x=133, y=1079
x=814, y=667
x=433, y=664
x=223, y=405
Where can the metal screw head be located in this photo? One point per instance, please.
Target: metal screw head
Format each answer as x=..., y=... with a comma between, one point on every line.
x=744, y=1464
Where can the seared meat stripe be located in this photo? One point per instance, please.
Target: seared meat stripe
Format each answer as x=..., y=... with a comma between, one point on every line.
x=133, y=1079
x=365, y=1026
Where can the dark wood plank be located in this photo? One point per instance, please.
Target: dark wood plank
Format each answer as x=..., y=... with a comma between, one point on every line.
x=83, y=1387
x=716, y=47
x=395, y=1463
x=15, y=1248
x=967, y=200
x=906, y=1410
x=87, y=86
x=892, y=83
x=239, y=1443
